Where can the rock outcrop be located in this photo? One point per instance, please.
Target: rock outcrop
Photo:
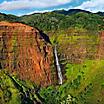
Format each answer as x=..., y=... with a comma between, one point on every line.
x=25, y=51
x=100, y=52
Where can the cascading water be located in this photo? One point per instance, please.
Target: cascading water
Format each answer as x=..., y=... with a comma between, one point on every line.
x=58, y=65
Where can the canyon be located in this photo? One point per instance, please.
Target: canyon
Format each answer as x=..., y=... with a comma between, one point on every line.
x=52, y=58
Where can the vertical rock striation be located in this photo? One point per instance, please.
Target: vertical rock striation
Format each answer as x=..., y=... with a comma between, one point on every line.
x=25, y=51
x=100, y=51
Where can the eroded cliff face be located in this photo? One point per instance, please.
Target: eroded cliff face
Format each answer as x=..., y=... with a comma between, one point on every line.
x=100, y=53
x=25, y=51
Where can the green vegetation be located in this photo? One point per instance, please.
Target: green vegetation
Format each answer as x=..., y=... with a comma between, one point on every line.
x=16, y=91
x=76, y=34
x=53, y=21
x=84, y=85
x=60, y=20
x=10, y=18
x=8, y=93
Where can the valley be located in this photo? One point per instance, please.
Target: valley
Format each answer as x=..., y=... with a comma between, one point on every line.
x=52, y=58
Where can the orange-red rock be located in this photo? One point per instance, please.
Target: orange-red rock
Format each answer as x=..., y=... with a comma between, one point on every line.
x=100, y=53
x=25, y=51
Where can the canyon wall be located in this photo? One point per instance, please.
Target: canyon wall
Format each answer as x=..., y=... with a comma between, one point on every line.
x=100, y=52
x=25, y=51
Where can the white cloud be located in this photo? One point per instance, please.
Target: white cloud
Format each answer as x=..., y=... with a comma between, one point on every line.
x=26, y=4
x=92, y=5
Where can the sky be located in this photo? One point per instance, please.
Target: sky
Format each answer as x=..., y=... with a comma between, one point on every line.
x=25, y=7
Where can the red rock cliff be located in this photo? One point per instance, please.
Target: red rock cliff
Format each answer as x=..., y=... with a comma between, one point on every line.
x=100, y=52
x=24, y=51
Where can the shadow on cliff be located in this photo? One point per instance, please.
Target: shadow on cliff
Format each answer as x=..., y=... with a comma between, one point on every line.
x=45, y=37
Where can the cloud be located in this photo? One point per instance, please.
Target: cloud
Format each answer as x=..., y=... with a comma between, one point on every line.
x=29, y=4
x=92, y=5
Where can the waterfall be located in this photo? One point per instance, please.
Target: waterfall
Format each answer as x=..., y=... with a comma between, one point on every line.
x=58, y=66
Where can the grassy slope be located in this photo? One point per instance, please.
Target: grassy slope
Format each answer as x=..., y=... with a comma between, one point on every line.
x=86, y=81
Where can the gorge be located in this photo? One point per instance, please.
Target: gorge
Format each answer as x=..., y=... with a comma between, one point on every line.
x=52, y=58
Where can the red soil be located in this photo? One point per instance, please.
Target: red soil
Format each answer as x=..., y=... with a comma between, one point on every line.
x=100, y=53
x=24, y=51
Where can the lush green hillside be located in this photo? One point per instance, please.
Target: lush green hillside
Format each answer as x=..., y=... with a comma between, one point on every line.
x=60, y=19
x=9, y=17
x=56, y=20
x=71, y=11
x=15, y=91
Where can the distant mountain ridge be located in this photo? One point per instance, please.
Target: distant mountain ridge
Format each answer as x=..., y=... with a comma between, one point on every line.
x=100, y=13
x=60, y=19
x=65, y=12
x=8, y=17
x=71, y=11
